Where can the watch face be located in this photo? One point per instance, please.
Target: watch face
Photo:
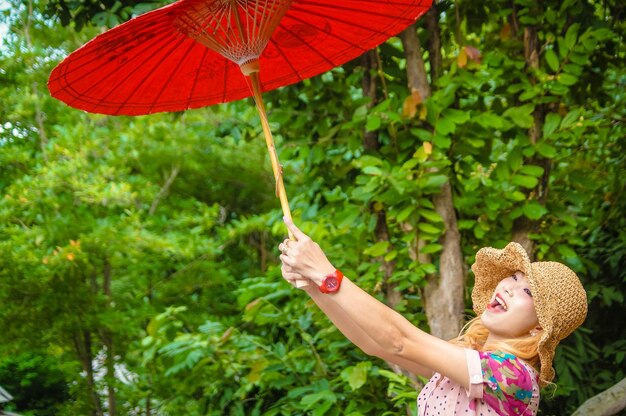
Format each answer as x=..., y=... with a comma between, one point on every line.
x=331, y=283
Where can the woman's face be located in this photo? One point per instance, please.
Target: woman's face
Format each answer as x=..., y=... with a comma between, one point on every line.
x=511, y=312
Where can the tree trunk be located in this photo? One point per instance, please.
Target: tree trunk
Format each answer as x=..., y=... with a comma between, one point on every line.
x=39, y=114
x=443, y=296
x=82, y=346
x=434, y=42
x=523, y=226
x=107, y=339
x=444, y=301
x=415, y=69
x=606, y=403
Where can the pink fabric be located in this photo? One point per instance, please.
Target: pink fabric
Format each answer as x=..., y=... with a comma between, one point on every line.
x=500, y=384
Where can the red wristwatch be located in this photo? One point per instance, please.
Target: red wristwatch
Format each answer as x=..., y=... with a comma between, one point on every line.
x=331, y=282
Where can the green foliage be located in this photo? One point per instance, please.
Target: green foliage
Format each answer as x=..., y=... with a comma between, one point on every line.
x=36, y=382
x=148, y=243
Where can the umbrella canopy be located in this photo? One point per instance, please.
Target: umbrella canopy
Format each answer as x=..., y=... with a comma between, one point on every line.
x=192, y=53
x=195, y=53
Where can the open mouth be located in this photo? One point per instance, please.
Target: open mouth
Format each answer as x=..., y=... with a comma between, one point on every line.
x=498, y=304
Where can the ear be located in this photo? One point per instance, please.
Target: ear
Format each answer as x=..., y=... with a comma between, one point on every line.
x=538, y=328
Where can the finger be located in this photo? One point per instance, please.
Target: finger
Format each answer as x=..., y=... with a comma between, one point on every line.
x=285, y=260
x=292, y=276
x=294, y=230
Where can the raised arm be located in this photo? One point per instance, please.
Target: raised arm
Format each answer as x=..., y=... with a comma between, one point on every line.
x=399, y=341
x=351, y=329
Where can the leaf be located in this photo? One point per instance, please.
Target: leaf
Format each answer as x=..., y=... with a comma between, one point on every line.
x=411, y=103
x=571, y=35
x=456, y=116
x=533, y=210
x=566, y=251
x=368, y=160
x=567, y=79
x=573, y=69
x=430, y=215
x=525, y=181
x=327, y=398
x=445, y=126
x=552, y=60
x=404, y=214
x=505, y=31
x=428, y=228
x=377, y=249
x=489, y=120
x=372, y=170
x=435, y=180
x=551, y=124
x=461, y=59
x=373, y=122
x=431, y=248
x=570, y=118
x=522, y=115
x=557, y=88
x=441, y=141
x=357, y=375
x=546, y=150
x=516, y=196
x=531, y=170
x=472, y=53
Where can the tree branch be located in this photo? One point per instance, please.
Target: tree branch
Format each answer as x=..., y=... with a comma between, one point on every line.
x=164, y=189
x=606, y=403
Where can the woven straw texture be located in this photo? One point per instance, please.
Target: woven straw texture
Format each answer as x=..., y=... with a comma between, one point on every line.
x=559, y=297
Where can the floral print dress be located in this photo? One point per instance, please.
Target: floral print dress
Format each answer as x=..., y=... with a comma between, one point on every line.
x=500, y=384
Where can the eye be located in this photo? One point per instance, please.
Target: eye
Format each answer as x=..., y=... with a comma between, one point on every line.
x=528, y=292
x=514, y=277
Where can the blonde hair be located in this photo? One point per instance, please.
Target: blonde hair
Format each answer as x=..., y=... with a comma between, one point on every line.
x=474, y=335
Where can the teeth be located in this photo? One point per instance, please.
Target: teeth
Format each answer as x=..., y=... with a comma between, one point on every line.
x=501, y=302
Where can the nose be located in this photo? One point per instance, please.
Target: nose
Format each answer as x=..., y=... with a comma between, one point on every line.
x=508, y=291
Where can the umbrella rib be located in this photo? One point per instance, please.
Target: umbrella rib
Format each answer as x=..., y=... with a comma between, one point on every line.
x=205, y=51
x=308, y=46
x=226, y=61
x=334, y=6
x=265, y=23
x=335, y=36
x=169, y=78
x=351, y=23
x=135, y=69
x=88, y=62
x=199, y=32
x=293, y=69
x=302, y=10
x=143, y=80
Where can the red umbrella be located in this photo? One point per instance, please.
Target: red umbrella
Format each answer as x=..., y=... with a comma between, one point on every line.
x=192, y=53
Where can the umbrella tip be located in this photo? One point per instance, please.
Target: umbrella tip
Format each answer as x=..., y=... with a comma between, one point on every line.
x=250, y=66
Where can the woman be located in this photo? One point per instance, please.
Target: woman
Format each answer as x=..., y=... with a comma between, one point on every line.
x=496, y=365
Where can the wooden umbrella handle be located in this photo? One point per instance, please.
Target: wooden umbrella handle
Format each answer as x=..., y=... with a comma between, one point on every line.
x=276, y=167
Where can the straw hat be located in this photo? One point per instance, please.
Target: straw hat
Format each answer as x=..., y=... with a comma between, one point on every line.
x=559, y=297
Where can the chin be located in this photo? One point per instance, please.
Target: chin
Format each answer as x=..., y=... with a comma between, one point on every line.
x=497, y=329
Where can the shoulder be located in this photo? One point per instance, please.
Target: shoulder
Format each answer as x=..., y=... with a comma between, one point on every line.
x=505, y=366
x=508, y=378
